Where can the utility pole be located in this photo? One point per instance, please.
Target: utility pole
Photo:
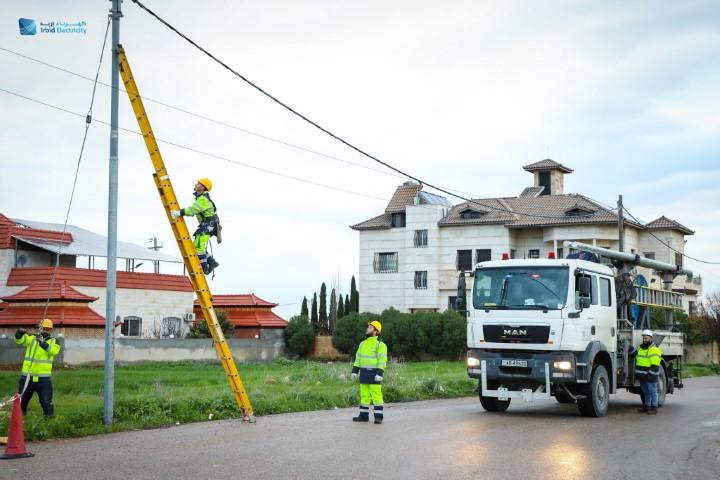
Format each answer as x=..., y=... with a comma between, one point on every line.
x=109, y=382
x=621, y=225
x=155, y=246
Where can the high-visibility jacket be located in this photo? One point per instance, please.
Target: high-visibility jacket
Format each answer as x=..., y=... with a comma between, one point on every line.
x=370, y=359
x=38, y=361
x=647, y=363
x=203, y=208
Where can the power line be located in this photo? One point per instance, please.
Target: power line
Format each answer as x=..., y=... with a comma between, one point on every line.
x=219, y=122
x=200, y=152
x=668, y=246
x=323, y=129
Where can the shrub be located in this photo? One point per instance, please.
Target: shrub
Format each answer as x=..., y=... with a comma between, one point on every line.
x=350, y=331
x=299, y=335
x=200, y=329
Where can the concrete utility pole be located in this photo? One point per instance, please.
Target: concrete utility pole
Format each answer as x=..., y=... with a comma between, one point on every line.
x=109, y=383
x=621, y=225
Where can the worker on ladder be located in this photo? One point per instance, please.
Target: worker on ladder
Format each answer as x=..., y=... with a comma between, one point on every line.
x=209, y=224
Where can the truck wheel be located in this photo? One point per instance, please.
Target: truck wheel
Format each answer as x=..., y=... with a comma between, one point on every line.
x=595, y=404
x=492, y=404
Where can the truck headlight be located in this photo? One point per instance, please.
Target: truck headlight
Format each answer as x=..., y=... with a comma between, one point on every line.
x=564, y=365
x=473, y=362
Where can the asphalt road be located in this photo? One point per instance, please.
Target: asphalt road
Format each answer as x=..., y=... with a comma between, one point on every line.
x=450, y=439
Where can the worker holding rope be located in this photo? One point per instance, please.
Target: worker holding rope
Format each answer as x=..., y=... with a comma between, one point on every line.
x=209, y=224
x=40, y=351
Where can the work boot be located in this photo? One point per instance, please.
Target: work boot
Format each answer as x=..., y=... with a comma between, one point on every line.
x=644, y=409
x=361, y=418
x=212, y=263
x=378, y=420
x=652, y=411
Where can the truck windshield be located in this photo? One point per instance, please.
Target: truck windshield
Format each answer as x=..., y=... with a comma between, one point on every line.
x=521, y=288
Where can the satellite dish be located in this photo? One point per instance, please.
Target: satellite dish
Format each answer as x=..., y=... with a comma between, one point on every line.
x=22, y=260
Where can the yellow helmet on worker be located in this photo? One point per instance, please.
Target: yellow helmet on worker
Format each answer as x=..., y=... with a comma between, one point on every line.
x=206, y=182
x=46, y=323
x=377, y=325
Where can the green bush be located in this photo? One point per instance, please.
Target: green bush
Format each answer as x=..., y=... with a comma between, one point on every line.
x=200, y=329
x=299, y=335
x=350, y=331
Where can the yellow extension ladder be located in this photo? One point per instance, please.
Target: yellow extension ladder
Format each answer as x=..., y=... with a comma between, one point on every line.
x=182, y=236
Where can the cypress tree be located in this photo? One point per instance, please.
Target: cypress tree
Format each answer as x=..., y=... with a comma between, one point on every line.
x=332, y=319
x=314, y=318
x=347, y=304
x=304, y=308
x=323, y=309
x=354, y=296
x=341, y=307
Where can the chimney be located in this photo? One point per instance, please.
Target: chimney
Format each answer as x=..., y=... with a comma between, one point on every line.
x=550, y=175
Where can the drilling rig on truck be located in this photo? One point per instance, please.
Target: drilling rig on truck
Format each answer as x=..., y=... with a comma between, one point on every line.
x=542, y=328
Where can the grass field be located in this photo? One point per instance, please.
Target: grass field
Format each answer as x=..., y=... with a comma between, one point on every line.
x=157, y=394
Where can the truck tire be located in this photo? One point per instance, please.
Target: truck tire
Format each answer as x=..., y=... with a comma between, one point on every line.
x=492, y=404
x=597, y=394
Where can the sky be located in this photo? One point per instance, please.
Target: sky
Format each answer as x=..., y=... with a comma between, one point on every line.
x=460, y=93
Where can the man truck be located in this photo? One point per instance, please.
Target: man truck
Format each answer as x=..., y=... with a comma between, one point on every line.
x=542, y=328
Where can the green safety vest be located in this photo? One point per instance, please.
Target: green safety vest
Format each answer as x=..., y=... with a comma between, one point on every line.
x=647, y=362
x=372, y=353
x=38, y=362
x=203, y=208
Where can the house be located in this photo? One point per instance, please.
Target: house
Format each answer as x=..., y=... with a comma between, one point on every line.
x=411, y=254
x=150, y=305
x=250, y=315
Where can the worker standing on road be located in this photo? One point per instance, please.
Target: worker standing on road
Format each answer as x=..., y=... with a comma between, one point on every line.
x=647, y=370
x=208, y=223
x=40, y=351
x=370, y=364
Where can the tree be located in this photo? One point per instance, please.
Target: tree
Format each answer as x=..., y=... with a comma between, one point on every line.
x=340, y=308
x=332, y=319
x=299, y=335
x=323, y=310
x=201, y=330
x=304, y=308
x=314, y=318
x=347, y=305
x=354, y=296
x=710, y=312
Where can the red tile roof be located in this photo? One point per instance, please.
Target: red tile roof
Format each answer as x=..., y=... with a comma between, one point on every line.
x=61, y=316
x=96, y=278
x=239, y=300
x=8, y=228
x=665, y=223
x=257, y=318
x=404, y=195
x=59, y=290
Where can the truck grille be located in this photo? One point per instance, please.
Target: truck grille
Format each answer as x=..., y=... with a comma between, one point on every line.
x=516, y=334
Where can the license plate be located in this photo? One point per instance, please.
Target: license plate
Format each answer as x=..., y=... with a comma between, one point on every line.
x=514, y=363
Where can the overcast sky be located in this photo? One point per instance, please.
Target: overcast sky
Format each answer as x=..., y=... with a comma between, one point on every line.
x=461, y=93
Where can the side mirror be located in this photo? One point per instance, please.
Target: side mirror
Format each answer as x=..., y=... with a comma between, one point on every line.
x=584, y=286
x=584, y=302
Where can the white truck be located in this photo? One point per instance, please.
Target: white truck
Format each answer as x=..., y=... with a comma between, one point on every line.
x=556, y=327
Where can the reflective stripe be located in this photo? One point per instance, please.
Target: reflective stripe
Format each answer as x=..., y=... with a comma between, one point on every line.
x=38, y=375
x=28, y=359
x=378, y=407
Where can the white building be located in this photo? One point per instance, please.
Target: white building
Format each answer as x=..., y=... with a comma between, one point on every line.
x=411, y=254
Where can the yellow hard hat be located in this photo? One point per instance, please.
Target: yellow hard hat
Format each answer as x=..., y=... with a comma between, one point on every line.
x=46, y=323
x=377, y=325
x=206, y=182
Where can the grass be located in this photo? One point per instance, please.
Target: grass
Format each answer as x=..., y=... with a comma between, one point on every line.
x=157, y=394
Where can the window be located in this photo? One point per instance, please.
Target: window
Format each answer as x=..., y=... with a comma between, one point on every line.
x=559, y=252
x=593, y=290
x=464, y=260
x=452, y=303
x=171, y=327
x=398, y=219
x=605, y=300
x=482, y=255
x=544, y=181
x=131, y=326
x=521, y=288
x=420, y=238
x=691, y=307
x=470, y=213
x=386, y=262
x=512, y=253
x=533, y=253
x=650, y=255
x=679, y=259
x=421, y=280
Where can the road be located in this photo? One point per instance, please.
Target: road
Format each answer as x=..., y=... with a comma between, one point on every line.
x=450, y=439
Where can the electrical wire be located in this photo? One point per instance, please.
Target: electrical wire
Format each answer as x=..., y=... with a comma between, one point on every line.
x=708, y=262
x=328, y=132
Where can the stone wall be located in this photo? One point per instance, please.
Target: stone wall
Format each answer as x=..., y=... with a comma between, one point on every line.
x=703, y=353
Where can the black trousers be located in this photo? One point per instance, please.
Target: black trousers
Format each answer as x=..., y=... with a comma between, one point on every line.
x=43, y=387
